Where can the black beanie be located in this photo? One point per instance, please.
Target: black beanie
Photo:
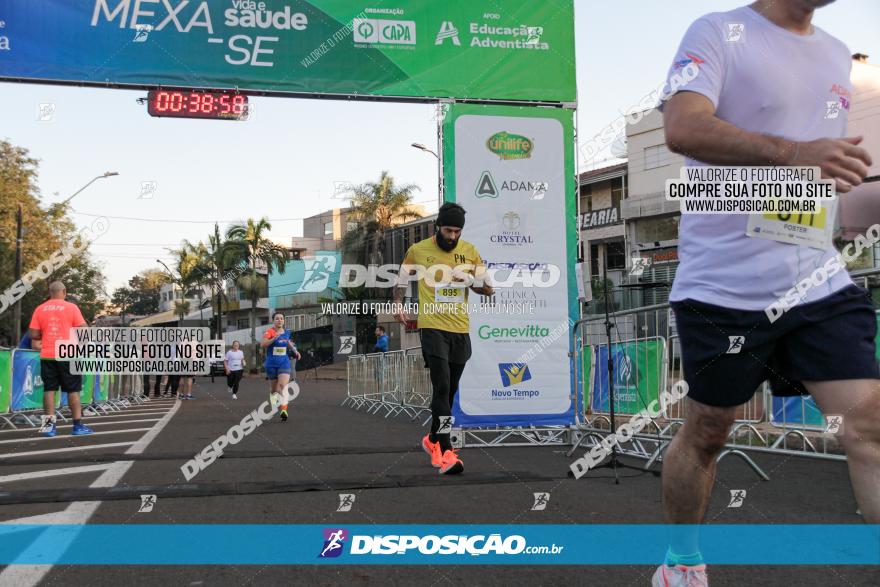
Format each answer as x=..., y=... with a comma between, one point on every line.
x=451, y=215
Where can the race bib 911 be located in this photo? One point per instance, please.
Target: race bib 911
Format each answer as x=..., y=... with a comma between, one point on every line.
x=796, y=228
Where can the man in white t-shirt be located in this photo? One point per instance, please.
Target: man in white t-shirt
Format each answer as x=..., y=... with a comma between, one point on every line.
x=772, y=90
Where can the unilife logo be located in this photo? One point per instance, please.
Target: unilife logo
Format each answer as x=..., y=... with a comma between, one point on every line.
x=510, y=146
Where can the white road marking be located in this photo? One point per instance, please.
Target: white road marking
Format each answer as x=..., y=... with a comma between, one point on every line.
x=125, y=413
x=62, y=437
x=65, y=449
x=77, y=513
x=134, y=411
x=54, y=472
x=91, y=423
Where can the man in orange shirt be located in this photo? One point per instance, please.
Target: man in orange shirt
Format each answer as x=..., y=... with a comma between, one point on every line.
x=53, y=320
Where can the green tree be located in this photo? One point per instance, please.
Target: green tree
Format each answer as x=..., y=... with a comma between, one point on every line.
x=189, y=276
x=46, y=230
x=141, y=296
x=181, y=308
x=218, y=262
x=86, y=282
x=377, y=207
x=248, y=242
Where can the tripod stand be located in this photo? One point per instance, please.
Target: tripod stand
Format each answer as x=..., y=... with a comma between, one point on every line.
x=613, y=462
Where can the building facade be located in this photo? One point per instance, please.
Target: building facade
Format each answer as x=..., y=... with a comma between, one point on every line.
x=602, y=234
x=651, y=221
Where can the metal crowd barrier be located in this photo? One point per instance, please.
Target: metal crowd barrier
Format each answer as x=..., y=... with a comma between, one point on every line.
x=397, y=383
x=392, y=383
x=122, y=391
x=786, y=426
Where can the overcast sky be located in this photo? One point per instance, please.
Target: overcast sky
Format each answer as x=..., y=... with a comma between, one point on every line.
x=284, y=163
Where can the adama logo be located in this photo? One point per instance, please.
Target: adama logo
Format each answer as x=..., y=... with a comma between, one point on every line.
x=509, y=146
x=685, y=62
x=334, y=542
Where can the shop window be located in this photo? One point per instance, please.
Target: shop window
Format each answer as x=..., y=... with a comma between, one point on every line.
x=615, y=255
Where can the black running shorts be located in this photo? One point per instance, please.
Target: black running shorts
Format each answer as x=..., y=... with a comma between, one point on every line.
x=728, y=353
x=56, y=375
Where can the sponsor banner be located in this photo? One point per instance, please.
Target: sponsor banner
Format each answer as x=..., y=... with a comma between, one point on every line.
x=797, y=411
x=87, y=395
x=27, y=385
x=5, y=381
x=513, y=170
x=521, y=544
x=415, y=49
x=639, y=375
x=102, y=387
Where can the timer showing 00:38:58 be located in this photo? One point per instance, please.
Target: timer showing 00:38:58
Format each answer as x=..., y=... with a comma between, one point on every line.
x=217, y=105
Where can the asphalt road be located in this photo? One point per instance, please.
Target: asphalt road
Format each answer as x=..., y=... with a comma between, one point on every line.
x=292, y=473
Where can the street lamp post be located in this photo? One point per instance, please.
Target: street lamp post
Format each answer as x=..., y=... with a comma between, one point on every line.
x=104, y=175
x=422, y=147
x=425, y=149
x=19, y=241
x=175, y=281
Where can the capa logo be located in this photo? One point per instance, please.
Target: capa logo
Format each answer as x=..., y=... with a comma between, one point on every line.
x=334, y=542
x=509, y=146
x=387, y=32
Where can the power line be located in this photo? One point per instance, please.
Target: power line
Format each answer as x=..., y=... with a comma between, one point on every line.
x=134, y=244
x=235, y=221
x=168, y=220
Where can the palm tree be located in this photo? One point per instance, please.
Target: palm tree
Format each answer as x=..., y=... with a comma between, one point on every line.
x=247, y=241
x=215, y=263
x=190, y=276
x=377, y=207
x=186, y=262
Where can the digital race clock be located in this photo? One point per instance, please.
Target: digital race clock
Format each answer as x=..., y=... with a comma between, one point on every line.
x=218, y=105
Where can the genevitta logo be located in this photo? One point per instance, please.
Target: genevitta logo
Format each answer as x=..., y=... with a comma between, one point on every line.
x=448, y=31
x=334, y=542
x=384, y=32
x=513, y=333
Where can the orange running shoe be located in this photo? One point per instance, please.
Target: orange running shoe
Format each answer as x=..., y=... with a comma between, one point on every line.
x=450, y=464
x=433, y=450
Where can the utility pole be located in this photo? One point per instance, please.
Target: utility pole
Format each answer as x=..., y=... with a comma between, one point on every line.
x=16, y=309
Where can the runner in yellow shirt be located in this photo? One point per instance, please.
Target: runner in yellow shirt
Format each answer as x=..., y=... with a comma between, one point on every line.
x=445, y=268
